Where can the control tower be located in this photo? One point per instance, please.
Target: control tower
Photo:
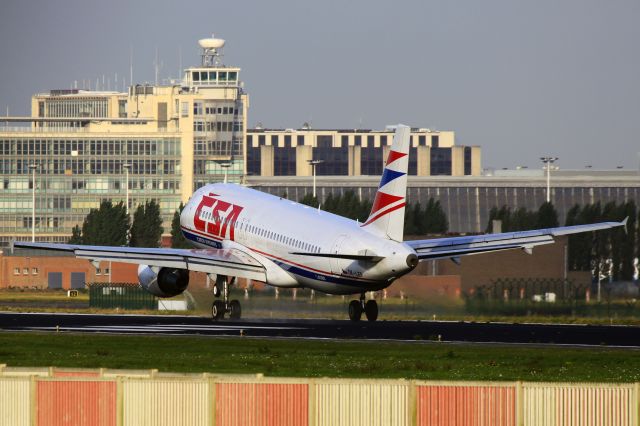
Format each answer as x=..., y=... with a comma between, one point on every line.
x=219, y=115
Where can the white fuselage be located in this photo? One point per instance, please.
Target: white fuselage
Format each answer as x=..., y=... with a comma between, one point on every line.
x=273, y=228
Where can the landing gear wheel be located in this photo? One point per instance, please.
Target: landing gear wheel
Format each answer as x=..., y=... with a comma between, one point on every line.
x=218, y=310
x=216, y=291
x=355, y=310
x=236, y=310
x=371, y=310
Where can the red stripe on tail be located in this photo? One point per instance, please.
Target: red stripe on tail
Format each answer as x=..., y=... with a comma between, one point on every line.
x=394, y=155
x=383, y=200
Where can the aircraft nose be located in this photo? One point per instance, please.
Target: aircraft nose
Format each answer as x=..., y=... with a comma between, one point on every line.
x=412, y=260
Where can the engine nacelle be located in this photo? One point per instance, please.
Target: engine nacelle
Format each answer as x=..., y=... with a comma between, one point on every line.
x=163, y=282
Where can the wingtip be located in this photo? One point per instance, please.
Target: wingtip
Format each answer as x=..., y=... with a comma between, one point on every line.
x=624, y=223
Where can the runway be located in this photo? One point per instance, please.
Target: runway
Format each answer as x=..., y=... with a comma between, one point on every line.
x=627, y=336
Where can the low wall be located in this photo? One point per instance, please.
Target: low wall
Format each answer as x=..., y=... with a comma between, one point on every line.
x=50, y=396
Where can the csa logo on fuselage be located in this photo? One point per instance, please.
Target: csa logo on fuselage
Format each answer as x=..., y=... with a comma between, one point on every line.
x=216, y=217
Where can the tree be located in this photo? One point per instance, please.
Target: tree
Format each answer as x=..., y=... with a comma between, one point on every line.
x=576, y=242
x=76, y=235
x=434, y=218
x=628, y=242
x=503, y=215
x=106, y=226
x=146, y=229
x=523, y=219
x=409, y=221
x=177, y=237
x=547, y=216
x=418, y=219
x=309, y=200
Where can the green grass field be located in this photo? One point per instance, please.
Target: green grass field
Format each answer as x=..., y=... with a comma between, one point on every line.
x=300, y=358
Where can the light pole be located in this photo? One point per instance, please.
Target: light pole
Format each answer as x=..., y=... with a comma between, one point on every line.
x=314, y=163
x=548, y=161
x=126, y=167
x=225, y=166
x=33, y=168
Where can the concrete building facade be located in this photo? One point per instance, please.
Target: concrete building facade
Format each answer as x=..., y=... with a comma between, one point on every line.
x=467, y=200
x=289, y=152
x=153, y=142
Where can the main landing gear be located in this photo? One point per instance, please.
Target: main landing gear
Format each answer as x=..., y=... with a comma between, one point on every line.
x=224, y=306
x=370, y=309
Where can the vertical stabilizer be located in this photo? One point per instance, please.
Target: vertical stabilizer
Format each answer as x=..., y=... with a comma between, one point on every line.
x=387, y=213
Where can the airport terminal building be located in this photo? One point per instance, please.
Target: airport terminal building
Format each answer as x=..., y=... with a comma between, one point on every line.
x=163, y=141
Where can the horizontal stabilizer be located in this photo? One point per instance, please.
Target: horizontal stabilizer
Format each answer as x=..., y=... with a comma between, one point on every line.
x=364, y=258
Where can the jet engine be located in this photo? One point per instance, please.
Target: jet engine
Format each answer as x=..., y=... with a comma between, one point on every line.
x=163, y=282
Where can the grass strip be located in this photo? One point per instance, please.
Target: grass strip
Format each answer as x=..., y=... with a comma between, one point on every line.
x=304, y=358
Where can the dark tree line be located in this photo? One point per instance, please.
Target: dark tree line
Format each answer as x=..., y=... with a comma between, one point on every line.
x=110, y=225
x=610, y=252
x=605, y=253
x=522, y=219
x=418, y=220
x=177, y=237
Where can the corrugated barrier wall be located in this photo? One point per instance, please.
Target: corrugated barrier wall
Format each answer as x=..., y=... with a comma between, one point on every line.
x=51, y=396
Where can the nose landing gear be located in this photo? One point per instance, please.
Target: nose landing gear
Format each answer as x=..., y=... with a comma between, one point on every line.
x=222, y=307
x=357, y=307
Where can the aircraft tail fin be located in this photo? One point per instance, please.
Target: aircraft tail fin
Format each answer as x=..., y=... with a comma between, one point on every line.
x=387, y=213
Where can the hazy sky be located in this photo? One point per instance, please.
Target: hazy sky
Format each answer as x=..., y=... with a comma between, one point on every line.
x=521, y=79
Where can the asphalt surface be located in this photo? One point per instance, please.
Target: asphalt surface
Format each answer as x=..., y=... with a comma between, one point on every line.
x=326, y=329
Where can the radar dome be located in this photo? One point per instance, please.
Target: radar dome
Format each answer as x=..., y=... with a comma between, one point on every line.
x=211, y=43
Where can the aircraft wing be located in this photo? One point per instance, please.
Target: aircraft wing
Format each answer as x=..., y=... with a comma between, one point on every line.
x=232, y=262
x=454, y=247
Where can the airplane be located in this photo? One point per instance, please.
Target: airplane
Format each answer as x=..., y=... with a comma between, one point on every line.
x=243, y=233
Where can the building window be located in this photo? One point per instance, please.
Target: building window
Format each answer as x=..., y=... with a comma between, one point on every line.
x=467, y=160
x=336, y=162
x=16, y=271
x=34, y=271
x=284, y=161
x=122, y=108
x=371, y=160
x=435, y=141
x=98, y=271
x=253, y=158
x=25, y=271
x=185, y=109
x=413, y=161
x=440, y=161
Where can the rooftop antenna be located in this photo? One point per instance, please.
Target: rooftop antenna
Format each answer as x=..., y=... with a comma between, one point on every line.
x=211, y=51
x=156, y=65
x=179, y=62
x=131, y=64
